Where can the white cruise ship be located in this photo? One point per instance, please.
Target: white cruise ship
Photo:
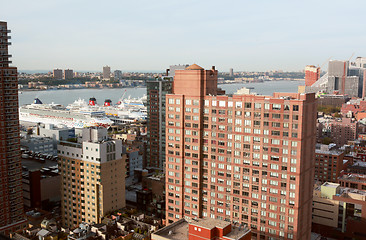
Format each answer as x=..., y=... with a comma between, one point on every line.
x=127, y=111
x=58, y=114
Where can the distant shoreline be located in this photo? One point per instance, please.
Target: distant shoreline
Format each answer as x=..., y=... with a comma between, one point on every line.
x=221, y=83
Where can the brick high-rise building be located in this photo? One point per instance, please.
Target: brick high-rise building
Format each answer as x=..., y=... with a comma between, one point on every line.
x=312, y=74
x=156, y=92
x=92, y=177
x=68, y=74
x=243, y=158
x=11, y=199
x=106, y=73
x=57, y=74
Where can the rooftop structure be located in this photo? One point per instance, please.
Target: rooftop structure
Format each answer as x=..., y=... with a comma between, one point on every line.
x=339, y=211
x=205, y=229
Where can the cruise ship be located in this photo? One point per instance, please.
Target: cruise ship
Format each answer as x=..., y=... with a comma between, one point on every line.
x=59, y=115
x=125, y=111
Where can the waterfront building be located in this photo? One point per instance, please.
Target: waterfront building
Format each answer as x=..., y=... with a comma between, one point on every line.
x=68, y=74
x=57, y=74
x=343, y=77
x=242, y=158
x=156, y=94
x=117, y=75
x=312, y=74
x=106, y=73
x=231, y=72
x=92, y=177
x=202, y=229
x=11, y=200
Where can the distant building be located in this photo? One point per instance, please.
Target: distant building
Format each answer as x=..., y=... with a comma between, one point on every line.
x=11, y=201
x=156, y=108
x=106, y=73
x=343, y=77
x=69, y=74
x=118, y=75
x=172, y=68
x=231, y=72
x=202, y=229
x=312, y=74
x=57, y=74
x=92, y=177
x=344, y=130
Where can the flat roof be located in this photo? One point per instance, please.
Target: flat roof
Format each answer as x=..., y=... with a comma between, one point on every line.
x=176, y=231
x=329, y=184
x=35, y=165
x=209, y=223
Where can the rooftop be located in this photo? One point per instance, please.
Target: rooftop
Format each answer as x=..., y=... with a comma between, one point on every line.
x=180, y=230
x=209, y=223
x=353, y=177
x=329, y=184
x=176, y=231
x=194, y=67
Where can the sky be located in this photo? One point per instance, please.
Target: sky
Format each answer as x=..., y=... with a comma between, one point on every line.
x=145, y=35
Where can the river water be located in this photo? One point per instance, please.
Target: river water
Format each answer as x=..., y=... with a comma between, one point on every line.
x=66, y=97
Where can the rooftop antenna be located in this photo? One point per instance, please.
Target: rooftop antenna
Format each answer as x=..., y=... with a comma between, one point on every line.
x=351, y=57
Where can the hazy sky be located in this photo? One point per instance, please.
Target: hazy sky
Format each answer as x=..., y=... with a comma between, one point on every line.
x=143, y=35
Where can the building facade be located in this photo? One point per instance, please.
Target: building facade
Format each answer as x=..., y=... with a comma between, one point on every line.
x=328, y=164
x=68, y=74
x=339, y=212
x=92, y=177
x=312, y=74
x=243, y=158
x=11, y=201
x=156, y=94
x=57, y=74
x=343, y=130
x=106, y=73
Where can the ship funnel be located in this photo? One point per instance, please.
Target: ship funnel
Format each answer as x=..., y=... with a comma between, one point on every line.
x=37, y=101
x=92, y=101
x=107, y=102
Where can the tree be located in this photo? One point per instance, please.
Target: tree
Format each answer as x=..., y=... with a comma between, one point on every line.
x=327, y=140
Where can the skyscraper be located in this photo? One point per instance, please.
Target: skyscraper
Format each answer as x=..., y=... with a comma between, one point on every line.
x=106, y=73
x=11, y=199
x=312, y=74
x=231, y=72
x=156, y=92
x=69, y=74
x=57, y=74
x=243, y=158
x=92, y=177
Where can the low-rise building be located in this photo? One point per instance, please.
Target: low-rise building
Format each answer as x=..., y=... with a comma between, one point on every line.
x=328, y=163
x=202, y=229
x=353, y=180
x=43, y=145
x=339, y=211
